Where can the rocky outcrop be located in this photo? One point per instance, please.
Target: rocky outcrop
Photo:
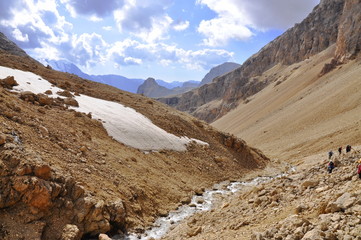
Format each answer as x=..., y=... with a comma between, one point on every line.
x=349, y=32
x=218, y=71
x=33, y=189
x=151, y=88
x=10, y=47
x=330, y=22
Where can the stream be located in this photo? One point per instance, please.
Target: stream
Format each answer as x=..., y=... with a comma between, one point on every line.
x=198, y=203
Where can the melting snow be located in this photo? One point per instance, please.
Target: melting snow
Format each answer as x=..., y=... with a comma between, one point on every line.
x=122, y=123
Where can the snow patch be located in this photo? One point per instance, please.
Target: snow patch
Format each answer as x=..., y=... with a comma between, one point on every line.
x=124, y=124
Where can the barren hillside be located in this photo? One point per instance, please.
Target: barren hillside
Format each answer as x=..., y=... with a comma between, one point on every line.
x=302, y=113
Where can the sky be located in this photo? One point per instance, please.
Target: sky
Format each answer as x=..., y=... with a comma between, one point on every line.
x=172, y=40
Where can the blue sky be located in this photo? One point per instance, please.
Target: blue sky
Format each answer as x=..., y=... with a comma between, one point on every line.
x=173, y=40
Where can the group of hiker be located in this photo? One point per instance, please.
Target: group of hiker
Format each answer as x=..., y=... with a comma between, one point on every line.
x=331, y=164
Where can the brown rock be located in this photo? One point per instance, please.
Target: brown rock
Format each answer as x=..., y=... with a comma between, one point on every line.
x=9, y=82
x=71, y=102
x=310, y=184
x=117, y=212
x=48, y=92
x=2, y=139
x=65, y=93
x=44, y=100
x=194, y=231
x=28, y=96
x=70, y=232
x=40, y=194
x=43, y=172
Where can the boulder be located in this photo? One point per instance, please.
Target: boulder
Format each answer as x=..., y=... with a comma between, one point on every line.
x=70, y=232
x=9, y=82
x=71, y=102
x=44, y=100
x=314, y=234
x=345, y=201
x=43, y=171
x=310, y=184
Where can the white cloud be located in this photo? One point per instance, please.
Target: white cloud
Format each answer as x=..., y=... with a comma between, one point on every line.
x=87, y=49
x=181, y=26
x=146, y=20
x=19, y=36
x=236, y=19
x=107, y=28
x=40, y=22
x=130, y=52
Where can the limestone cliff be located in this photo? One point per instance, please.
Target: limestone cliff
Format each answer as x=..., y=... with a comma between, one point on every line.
x=330, y=22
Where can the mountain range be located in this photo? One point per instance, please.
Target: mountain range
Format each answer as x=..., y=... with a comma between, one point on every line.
x=161, y=89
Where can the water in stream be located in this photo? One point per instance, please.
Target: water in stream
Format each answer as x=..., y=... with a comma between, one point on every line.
x=198, y=203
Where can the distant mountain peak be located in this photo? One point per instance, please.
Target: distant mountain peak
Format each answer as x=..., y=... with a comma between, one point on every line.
x=218, y=71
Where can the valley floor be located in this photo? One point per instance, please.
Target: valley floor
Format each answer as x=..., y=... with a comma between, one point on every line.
x=309, y=203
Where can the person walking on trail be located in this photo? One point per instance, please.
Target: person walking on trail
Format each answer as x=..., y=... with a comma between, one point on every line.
x=359, y=169
x=330, y=153
x=339, y=150
x=348, y=148
x=330, y=167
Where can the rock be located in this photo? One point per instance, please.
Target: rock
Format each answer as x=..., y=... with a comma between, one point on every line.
x=43, y=172
x=103, y=236
x=71, y=102
x=345, y=201
x=310, y=184
x=314, y=234
x=70, y=232
x=9, y=82
x=44, y=100
x=28, y=96
x=65, y=93
x=48, y=92
x=194, y=231
x=2, y=139
x=117, y=212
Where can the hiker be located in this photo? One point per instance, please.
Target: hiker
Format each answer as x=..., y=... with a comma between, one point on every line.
x=359, y=169
x=330, y=153
x=339, y=150
x=330, y=167
x=348, y=148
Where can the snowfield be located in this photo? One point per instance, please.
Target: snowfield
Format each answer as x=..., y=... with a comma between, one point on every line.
x=124, y=124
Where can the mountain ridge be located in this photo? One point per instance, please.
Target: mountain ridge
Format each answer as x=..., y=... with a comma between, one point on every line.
x=314, y=34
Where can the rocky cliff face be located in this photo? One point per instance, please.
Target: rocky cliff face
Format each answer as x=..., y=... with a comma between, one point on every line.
x=330, y=22
x=218, y=71
x=10, y=47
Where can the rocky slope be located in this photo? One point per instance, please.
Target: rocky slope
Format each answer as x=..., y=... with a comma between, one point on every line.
x=10, y=47
x=63, y=177
x=218, y=71
x=332, y=21
x=307, y=204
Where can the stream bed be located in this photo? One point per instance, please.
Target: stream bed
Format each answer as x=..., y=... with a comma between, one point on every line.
x=198, y=203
